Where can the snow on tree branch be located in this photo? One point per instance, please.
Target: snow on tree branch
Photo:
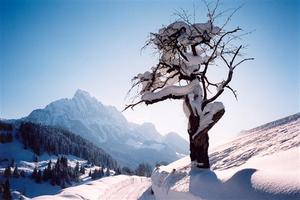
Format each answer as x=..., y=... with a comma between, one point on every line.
x=186, y=52
x=174, y=92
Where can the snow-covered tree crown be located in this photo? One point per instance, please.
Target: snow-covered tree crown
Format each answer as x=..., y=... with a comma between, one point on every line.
x=186, y=51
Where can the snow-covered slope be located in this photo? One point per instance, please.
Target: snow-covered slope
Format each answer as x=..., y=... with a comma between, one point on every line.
x=263, y=140
x=110, y=188
x=23, y=158
x=263, y=163
x=16, y=153
x=105, y=126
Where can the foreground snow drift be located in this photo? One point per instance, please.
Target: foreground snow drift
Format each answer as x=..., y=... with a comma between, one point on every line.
x=262, y=164
x=270, y=177
x=110, y=188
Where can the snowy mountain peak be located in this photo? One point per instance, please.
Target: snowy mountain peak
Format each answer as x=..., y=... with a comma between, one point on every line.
x=81, y=94
x=177, y=142
x=85, y=99
x=106, y=127
x=173, y=135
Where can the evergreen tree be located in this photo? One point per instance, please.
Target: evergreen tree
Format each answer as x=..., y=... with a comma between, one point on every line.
x=49, y=165
x=63, y=184
x=52, y=180
x=6, y=191
x=16, y=173
x=127, y=171
x=95, y=174
x=64, y=161
x=57, y=180
x=9, y=137
x=39, y=177
x=101, y=172
x=7, y=172
x=118, y=171
x=34, y=173
x=107, y=172
x=144, y=169
x=1, y=188
x=82, y=169
x=47, y=171
x=77, y=167
x=22, y=173
x=45, y=175
x=6, y=137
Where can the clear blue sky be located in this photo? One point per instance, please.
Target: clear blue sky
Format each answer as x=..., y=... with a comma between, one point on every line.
x=48, y=49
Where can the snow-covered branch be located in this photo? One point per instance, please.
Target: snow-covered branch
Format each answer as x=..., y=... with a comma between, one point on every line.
x=187, y=52
x=173, y=92
x=208, y=117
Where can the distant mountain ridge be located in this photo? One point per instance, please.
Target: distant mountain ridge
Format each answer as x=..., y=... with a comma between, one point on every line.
x=106, y=127
x=172, y=139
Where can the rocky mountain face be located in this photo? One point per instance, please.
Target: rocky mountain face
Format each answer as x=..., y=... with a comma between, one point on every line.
x=106, y=127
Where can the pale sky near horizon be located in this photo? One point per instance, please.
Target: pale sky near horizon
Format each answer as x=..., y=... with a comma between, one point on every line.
x=48, y=49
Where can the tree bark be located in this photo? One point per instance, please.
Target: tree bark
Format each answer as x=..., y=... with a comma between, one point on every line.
x=199, y=145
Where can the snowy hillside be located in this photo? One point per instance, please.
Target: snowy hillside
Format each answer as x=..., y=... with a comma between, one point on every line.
x=39, y=160
x=24, y=160
x=110, y=188
x=264, y=140
x=269, y=173
x=263, y=163
x=106, y=127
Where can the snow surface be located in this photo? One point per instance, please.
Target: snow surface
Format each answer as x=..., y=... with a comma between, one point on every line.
x=267, y=166
x=262, y=164
x=24, y=160
x=110, y=188
x=256, y=142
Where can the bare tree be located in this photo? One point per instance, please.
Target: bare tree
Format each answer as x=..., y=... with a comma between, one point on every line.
x=187, y=51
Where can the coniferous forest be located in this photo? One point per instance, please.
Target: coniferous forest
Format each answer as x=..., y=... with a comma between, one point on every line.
x=52, y=140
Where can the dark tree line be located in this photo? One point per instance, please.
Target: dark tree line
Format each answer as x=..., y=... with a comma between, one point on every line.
x=6, y=137
x=5, y=126
x=58, y=173
x=97, y=173
x=143, y=169
x=5, y=132
x=7, y=174
x=5, y=190
x=41, y=138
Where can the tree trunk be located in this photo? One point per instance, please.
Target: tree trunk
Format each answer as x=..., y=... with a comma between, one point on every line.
x=199, y=145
